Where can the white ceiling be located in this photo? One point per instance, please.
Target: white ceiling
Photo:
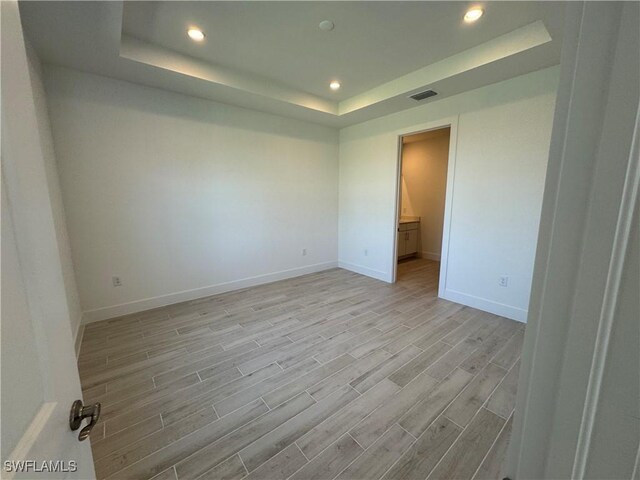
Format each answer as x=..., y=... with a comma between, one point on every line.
x=273, y=57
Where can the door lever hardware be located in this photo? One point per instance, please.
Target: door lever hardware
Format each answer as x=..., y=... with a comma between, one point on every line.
x=78, y=413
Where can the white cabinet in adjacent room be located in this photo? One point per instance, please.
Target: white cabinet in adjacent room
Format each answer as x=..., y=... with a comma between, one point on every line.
x=411, y=242
x=408, y=238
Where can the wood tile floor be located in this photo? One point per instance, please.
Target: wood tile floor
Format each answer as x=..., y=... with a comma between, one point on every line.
x=329, y=375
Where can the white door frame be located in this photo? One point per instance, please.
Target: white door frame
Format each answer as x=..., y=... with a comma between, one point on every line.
x=452, y=123
x=591, y=190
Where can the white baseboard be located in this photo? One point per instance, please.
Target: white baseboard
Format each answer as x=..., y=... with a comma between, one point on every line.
x=369, y=272
x=430, y=256
x=514, y=313
x=186, y=295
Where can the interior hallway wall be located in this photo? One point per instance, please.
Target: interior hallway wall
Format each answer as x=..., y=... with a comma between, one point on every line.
x=503, y=135
x=424, y=184
x=55, y=195
x=182, y=197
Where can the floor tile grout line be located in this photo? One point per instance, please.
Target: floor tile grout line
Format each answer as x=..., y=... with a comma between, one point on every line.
x=104, y=437
x=370, y=414
x=243, y=464
x=486, y=402
x=407, y=431
x=295, y=441
x=265, y=403
x=176, y=392
x=422, y=372
x=332, y=443
x=450, y=446
x=445, y=407
x=192, y=433
x=266, y=379
x=364, y=450
x=443, y=414
x=457, y=438
x=170, y=370
x=301, y=451
x=411, y=445
x=495, y=440
x=319, y=453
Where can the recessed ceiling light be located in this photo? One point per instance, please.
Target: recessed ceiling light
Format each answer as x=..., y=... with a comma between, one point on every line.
x=326, y=25
x=473, y=14
x=334, y=85
x=195, y=34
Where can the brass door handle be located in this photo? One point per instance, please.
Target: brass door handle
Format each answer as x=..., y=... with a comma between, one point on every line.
x=78, y=413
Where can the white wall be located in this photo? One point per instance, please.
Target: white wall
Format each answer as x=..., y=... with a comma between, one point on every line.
x=53, y=181
x=502, y=147
x=183, y=197
x=424, y=183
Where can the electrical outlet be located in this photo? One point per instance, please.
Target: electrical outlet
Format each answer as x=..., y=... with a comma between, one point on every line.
x=304, y=252
x=117, y=282
x=503, y=281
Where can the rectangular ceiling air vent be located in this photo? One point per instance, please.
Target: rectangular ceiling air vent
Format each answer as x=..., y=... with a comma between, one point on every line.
x=422, y=95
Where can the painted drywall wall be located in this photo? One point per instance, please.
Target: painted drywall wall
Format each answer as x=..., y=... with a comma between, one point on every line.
x=53, y=182
x=424, y=183
x=182, y=197
x=502, y=147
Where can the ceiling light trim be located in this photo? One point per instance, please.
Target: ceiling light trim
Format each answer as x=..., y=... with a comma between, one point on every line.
x=195, y=34
x=473, y=15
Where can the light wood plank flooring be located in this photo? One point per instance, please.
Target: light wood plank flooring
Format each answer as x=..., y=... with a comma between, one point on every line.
x=329, y=375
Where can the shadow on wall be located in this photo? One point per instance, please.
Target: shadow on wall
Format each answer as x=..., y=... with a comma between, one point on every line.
x=64, y=82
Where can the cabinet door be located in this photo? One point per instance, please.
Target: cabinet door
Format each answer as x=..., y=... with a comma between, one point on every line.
x=411, y=242
x=402, y=243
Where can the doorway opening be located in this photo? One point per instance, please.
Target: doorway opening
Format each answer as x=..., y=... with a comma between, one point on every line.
x=424, y=163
